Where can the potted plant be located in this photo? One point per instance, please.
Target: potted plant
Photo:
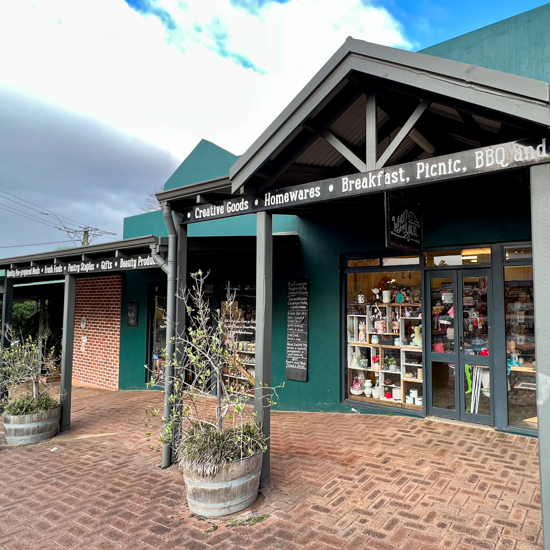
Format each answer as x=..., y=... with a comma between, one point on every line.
x=32, y=416
x=219, y=451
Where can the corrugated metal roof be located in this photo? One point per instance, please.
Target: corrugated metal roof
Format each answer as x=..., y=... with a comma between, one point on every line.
x=350, y=127
x=320, y=153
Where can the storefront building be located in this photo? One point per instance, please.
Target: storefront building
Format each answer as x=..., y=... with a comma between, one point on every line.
x=388, y=238
x=449, y=330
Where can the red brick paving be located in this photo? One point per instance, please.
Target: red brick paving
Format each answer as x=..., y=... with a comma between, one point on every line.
x=338, y=481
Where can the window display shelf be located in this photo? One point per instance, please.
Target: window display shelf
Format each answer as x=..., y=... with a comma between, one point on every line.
x=247, y=352
x=390, y=324
x=415, y=380
x=235, y=376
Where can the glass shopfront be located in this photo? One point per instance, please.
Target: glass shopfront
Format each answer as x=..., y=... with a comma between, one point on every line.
x=384, y=337
x=464, y=348
x=520, y=346
x=240, y=316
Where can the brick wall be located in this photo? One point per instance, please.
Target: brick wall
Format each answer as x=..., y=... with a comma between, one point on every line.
x=97, y=345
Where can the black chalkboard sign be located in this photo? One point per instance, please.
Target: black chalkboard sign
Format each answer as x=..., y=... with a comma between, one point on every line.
x=297, y=330
x=403, y=224
x=133, y=314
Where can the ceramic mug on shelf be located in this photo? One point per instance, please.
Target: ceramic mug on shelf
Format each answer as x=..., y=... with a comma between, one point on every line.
x=386, y=296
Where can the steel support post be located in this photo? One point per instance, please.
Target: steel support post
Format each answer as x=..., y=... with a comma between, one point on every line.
x=7, y=310
x=171, y=299
x=69, y=298
x=371, y=134
x=540, y=228
x=181, y=282
x=264, y=322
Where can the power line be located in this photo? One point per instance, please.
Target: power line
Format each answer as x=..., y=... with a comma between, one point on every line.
x=24, y=215
x=24, y=206
x=81, y=235
x=41, y=208
x=35, y=244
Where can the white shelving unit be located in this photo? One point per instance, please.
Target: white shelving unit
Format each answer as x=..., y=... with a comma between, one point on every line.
x=376, y=334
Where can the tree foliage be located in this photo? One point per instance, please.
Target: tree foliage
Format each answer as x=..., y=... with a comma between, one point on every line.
x=207, y=350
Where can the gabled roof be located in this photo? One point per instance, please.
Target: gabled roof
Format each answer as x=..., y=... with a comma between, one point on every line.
x=205, y=162
x=513, y=98
x=518, y=45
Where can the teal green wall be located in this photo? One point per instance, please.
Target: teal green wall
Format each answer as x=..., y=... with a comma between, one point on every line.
x=152, y=223
x=518, y=45
x=133, y=340
x=207, y=161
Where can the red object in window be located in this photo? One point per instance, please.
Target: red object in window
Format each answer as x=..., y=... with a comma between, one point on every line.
x=484, y=352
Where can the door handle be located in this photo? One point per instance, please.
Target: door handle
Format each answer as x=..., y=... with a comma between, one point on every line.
x=461, y=344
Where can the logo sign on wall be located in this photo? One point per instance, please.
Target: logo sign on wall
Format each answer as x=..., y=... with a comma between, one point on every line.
x=403, y=224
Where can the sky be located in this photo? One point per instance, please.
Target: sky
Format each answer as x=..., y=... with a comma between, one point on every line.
x=101, y=100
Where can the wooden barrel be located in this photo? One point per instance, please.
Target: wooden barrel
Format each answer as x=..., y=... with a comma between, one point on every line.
x=26, y=429
x=232, y=489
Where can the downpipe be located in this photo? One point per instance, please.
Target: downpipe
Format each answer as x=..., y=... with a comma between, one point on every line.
x=170, y=268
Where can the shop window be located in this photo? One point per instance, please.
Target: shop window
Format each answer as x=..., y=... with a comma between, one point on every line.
x=158, y=335
x=241, y=318
x=364, y=263
x=520, y=347
x=402, y=260
x=384, y=338
x=518, y=253
x=471, y=256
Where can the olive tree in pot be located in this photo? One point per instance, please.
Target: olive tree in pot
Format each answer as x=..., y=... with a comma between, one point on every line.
x=33, y=416
x=213, y=428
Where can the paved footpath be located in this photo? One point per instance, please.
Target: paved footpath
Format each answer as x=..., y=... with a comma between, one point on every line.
x=338, y=481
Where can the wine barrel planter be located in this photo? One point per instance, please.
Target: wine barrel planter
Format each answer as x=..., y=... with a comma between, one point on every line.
x=26, y=429
x=234, y=488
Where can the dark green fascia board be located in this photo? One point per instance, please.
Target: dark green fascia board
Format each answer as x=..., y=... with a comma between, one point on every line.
x=514, y=95
x=127, y=245
x=186, y=195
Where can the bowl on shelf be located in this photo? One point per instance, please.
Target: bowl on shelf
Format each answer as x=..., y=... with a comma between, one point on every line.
x=355, y=391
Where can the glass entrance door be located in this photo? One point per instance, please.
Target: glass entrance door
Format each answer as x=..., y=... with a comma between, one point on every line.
x=459, y=345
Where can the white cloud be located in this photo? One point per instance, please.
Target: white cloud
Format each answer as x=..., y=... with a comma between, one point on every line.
x=104, y=60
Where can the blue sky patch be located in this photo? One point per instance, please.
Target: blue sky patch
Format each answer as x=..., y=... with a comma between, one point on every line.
x=219, y=36
x=149, y=7
x=254, y=6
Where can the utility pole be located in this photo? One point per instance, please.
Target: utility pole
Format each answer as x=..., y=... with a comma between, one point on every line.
x=85, y=236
